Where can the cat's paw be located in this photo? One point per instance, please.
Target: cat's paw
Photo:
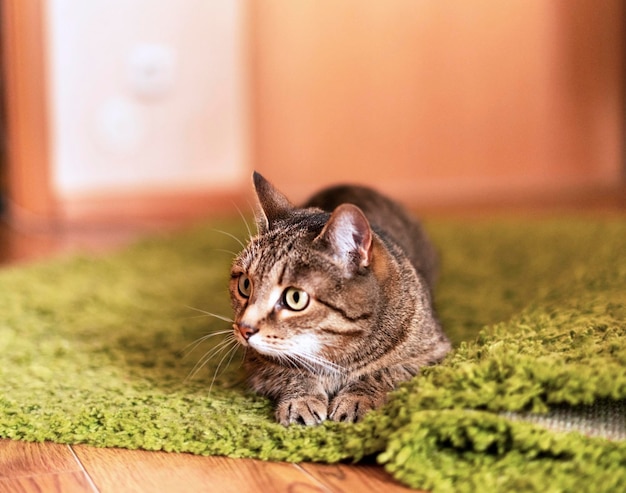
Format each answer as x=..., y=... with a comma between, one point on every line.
x=301, y=410
x=351, y=407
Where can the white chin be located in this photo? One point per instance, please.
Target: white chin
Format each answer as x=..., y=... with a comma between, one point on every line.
x=259, y=347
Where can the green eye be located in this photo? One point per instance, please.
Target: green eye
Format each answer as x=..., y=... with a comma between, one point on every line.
x=244, y=285
x=295, y=299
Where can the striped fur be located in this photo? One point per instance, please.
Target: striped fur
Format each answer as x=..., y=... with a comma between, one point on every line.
x=333, y=303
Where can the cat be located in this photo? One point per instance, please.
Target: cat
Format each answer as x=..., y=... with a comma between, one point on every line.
x=333, y=302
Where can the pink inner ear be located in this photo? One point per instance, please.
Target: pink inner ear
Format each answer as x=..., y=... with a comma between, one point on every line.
x=348, y=232
x=362, y=236
x=365, y=250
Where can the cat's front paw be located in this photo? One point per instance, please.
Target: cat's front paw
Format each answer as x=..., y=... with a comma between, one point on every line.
x=302, y=410
x=351, y=407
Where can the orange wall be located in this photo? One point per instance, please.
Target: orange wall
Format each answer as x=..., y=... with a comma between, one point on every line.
x=438, y=101
x=434, y=101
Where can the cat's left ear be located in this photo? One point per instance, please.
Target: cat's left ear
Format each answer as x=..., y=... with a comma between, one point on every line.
x=349, y=235
x=274, y=205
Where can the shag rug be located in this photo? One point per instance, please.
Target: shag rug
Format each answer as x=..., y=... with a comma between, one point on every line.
x=112, y=351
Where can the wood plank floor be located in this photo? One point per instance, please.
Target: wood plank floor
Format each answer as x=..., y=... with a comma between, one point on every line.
x=47, y=467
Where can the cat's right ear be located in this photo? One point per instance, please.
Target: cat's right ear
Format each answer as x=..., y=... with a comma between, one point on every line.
x=274, y=206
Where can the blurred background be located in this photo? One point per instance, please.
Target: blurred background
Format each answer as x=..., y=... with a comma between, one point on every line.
x=123, y=110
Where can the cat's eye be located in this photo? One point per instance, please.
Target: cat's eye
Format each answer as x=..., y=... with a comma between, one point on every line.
x=244, y=286
x=295, y=299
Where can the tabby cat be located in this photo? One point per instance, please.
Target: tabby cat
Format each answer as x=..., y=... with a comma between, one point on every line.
x=333, y=302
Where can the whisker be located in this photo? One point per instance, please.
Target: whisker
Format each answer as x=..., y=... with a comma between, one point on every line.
x=200, y=340
x=286, y=359
x=230, y=235
x=232, y=355
x=318, y=361
x=230, y=352
x=208, y=356
x=224, y=250
x=299, y=364
x=305, y=360
x=245, y=221
x=203, y=361
x=296, y=362
x=220, y=317
x=254, y=213
x=193, y=317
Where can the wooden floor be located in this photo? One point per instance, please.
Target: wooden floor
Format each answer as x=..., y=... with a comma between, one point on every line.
x=47, y=467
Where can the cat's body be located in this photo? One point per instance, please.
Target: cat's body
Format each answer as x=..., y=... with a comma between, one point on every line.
x=333, y=303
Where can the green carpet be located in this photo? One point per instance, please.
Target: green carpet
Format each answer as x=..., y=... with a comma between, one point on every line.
x=95, y=350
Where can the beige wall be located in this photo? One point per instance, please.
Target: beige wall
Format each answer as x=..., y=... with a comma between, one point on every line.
x=439, y=101
x=146, y=95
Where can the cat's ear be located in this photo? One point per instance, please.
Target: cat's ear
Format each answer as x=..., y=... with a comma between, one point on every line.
x=273, y=204
x=349, y=235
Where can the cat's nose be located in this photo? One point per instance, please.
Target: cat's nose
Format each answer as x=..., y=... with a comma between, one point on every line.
x=246, y=330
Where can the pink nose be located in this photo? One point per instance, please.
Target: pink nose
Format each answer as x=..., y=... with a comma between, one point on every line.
x=246, y=330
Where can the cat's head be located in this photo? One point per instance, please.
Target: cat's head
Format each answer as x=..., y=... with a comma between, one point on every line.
x=305, y=289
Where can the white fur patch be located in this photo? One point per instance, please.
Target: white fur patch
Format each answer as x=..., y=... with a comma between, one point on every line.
x=274, y=297
x=305, y=344
x=303, y=350
x=258, y=310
